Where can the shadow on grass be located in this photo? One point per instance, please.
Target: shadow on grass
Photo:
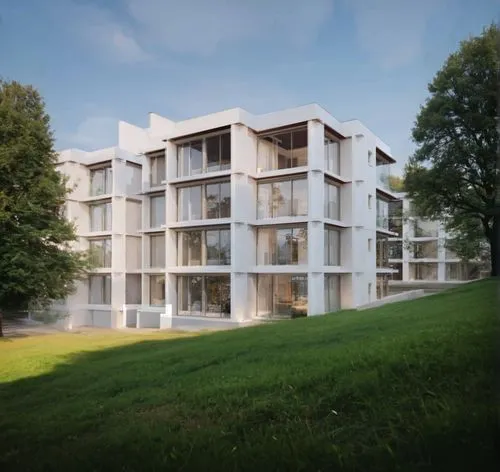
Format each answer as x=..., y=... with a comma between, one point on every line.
x=378, y=391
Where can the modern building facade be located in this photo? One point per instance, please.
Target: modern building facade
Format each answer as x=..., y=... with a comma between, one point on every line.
x=229, y=218
x=419, y=251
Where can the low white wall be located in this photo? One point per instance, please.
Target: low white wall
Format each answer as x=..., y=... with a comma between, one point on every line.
x=400, y=297
x=148, y=319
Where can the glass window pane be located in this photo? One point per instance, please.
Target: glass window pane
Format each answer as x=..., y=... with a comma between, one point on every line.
x=225, y=247
x=212, y=242
x=133, y=289
x=332, y=201
x=299, y=204
x=183, y=159
x=283, y=141
x=157, y=211
x=264, y=295
x=157, y=250
x=213, y=153
x=264, y=201
x=332, y=293
x=332, y=156
x=282, y=196
x=158, y=170
x=299, y=295
x=300, y=237
x=284, y=243
x=225, y=200
x=157, y=290
x=225, y=151
x=97, y=182
x=196, y=158
x=183, y=204
x=213, y=201
x=266, y=246
x=195, y=203
x=299, y=152
x=190, y=295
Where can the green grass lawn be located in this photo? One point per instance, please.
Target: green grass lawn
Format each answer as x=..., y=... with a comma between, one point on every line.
x=409, y=386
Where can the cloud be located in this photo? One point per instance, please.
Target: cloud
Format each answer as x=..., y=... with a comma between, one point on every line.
x=392, y=31
x=200, y=27
x=101, y=31
x=94, y=132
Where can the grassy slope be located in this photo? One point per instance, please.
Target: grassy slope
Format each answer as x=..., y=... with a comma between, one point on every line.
x=404, y=387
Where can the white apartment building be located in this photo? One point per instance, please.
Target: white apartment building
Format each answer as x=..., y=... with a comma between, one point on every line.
x=229, y=218
x=419, y=252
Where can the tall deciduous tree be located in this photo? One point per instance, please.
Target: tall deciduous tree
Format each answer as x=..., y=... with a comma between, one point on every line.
x=454, y=174
x=37, y=264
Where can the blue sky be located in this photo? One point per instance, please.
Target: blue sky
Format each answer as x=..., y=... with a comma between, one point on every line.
x=97, y=62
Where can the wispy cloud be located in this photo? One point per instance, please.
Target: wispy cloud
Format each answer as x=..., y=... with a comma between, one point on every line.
x=200, y=27
x=392, y=31
x=98, y=129
x=101, y=31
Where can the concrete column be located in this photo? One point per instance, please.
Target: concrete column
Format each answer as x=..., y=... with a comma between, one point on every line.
x=315, y=145
x=171, y=160
x=239, y=296
x=171, y=292
x=315, y=293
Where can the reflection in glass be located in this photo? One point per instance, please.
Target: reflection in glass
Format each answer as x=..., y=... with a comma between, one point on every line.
x=281, y=296
x=157, y=290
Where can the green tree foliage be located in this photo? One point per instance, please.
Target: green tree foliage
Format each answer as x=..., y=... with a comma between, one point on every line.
x=37, y=264
x=454, y=174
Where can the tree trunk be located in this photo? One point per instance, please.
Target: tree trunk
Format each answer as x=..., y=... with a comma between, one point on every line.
x=1, y=327
x=495, y=247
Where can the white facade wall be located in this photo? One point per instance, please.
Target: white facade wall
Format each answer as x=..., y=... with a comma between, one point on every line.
x=131, y=231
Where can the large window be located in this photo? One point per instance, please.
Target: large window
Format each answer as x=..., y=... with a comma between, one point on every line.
x=100, y=289
x=283, y=150
x=421, y=271
x=462, y=271
x=332, y=247
x=396, y=217
x=218, y=200
x=158, y=169
x=332, y=293
x=332, y=201
x=157, y=211
x=157, y=290
x=282, y=246
x=204, y=201
x=425, y=250
x=218, y=247
x=101, y=181
x=203, y=155
x=282, y=198
x=281, y=296
x=395, y=249
x=189, y=248
x=382, y=214
x=100, y=252
x=133, y=178
x=425, y=228
x=399, y=274
x=382, y=286
x=157, y=250
x=207, y=247
x=133, y=289
x=100, y=217
x=332, y=155
x=382, y=252
x=450, y=253
x=204, y=295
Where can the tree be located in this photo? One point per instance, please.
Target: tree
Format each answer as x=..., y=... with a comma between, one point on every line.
x=37, y=263
x=454, y=174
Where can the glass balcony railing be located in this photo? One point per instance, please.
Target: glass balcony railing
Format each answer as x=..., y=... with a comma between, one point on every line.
x=383, y=177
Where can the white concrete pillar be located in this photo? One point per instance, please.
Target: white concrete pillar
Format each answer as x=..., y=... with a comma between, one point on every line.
x=239, y=296
x=315, y=293
x=315, y=145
